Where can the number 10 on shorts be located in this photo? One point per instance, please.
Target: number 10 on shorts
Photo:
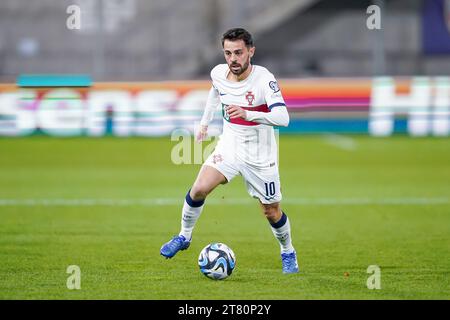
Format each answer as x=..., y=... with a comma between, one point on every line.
x=270, y=189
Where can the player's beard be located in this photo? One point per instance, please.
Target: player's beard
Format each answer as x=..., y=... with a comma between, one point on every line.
x=241, y=70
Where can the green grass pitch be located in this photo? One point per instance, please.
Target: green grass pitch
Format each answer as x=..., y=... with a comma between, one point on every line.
x=108, y=204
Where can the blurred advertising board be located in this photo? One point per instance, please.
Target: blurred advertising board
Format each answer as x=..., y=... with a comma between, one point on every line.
x=381, y=106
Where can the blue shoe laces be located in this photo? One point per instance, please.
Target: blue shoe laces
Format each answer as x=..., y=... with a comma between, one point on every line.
x=177, y=242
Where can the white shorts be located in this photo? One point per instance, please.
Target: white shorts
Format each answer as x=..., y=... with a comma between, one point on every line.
x=262, y=183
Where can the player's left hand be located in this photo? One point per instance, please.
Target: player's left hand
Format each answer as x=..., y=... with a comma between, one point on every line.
x=236, y=112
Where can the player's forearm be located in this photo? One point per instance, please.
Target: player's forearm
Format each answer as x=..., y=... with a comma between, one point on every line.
x=277, y=117
x=207, y=117
x=211, y=105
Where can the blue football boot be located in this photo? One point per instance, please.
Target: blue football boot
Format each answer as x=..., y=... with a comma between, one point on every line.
x=289, y=261
x=171, y=248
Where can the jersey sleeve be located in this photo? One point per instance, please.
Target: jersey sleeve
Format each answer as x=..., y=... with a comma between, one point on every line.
x=216, y=75
x=278, y=115
x=272, y=92
x=211, y=105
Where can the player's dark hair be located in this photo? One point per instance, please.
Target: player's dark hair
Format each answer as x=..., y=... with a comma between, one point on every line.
x=238, y=34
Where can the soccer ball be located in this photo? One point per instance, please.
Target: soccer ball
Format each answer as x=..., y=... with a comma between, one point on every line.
x=217, y=261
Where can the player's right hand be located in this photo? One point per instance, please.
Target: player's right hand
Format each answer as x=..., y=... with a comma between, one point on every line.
x=202, y=133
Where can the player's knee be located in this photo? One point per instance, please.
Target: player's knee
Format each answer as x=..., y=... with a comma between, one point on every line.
x=199, y=191
x=272, y=212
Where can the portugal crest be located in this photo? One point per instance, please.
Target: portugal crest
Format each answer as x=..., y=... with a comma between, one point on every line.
x=250, y=98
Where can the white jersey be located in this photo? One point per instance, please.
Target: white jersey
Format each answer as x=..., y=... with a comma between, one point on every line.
x=252, y=140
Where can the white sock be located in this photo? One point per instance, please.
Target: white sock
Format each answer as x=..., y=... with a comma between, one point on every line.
x=282, y=231
x=190, y=214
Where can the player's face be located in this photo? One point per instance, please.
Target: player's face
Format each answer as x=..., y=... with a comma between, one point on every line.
x=237, y=55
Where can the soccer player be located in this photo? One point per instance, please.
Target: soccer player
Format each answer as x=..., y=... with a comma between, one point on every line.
x=251, y=105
